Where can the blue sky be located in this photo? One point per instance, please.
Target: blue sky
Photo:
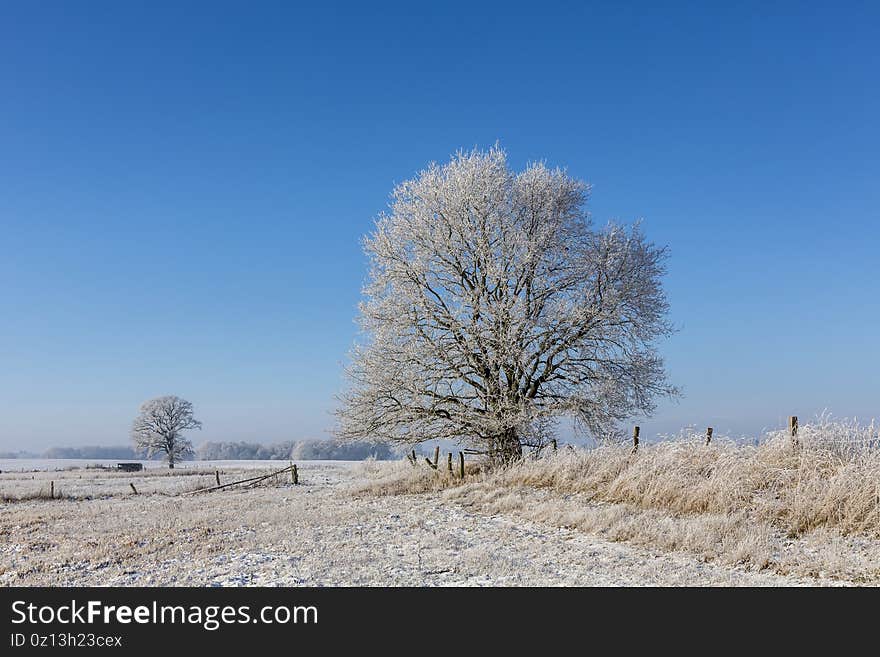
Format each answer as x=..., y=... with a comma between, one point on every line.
x=184, y=186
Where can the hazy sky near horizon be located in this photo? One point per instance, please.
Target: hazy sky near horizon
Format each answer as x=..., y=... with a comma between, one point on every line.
x=184, y=187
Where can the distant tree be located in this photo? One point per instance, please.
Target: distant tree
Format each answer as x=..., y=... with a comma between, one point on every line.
x=494, y=307
x=160, y=425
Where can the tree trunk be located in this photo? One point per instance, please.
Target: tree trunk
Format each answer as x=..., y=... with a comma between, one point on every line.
x=506, y=448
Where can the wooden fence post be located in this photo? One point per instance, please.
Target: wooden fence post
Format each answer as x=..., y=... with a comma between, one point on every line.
x=555, y=446
x=461, y=464
x=708, y=435
x=294, y=474
x=449, y=463
x=52, y=490
x=135, y=490
x=414, y=459
x=436, y=455
x=217, y=476
x=635, y=439
x=793, y=428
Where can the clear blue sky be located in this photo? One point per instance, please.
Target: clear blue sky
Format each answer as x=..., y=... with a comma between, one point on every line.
x=183, y=189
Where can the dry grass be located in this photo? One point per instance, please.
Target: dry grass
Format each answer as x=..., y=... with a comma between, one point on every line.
x=806, y=508
x=831, y=478
x=402, y=478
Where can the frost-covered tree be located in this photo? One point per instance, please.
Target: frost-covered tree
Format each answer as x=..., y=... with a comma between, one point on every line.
x=494, y=308
x=160, y=425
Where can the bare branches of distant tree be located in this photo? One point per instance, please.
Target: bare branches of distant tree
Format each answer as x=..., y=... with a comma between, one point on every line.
x=160, y=425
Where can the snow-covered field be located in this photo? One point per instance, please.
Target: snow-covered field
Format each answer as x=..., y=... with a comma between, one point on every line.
x=318, y=533
x=49, y=465
x=72, y=479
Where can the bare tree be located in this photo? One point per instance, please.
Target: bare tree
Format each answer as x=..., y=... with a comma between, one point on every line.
x=159, y=426
x=494, y=308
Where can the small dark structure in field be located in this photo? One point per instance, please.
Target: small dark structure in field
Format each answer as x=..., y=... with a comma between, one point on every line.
x=130, y=467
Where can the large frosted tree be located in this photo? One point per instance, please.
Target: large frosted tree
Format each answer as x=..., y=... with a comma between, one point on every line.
x=160, y=425
x=494, y=308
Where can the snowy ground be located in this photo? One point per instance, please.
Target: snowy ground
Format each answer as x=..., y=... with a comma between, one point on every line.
x=58, y=465
x=72, y=478
x=319, y=533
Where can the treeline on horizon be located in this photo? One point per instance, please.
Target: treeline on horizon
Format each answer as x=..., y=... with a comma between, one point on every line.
x=304, y=450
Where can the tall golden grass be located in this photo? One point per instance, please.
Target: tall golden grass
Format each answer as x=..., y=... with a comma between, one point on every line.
x=829, y=477
x=727, y=500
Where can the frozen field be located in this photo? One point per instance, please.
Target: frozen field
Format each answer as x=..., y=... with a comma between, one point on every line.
x=74, y=479
x=30, y=465
x=318, y=533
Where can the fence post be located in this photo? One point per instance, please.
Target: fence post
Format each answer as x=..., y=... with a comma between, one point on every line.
x=135, y=490
x=449, y=463
x=436, y=455
x=793, y=428
x=294, y=474
x=461, y=464
x=708, y=435
x=555, y=446
x=635, y=439
x=52, y=490
x=217, y=476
